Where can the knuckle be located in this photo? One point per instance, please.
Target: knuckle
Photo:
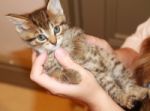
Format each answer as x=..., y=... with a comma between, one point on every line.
x=105, y=43
x=55, y=92
x=33, y=77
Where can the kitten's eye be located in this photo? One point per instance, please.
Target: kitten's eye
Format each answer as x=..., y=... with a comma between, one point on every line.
x=56, y=29
x=41, y=37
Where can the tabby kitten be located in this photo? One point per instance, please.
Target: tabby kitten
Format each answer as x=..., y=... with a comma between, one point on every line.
x=46, y=30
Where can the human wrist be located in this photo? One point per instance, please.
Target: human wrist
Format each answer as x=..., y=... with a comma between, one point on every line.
x=101, y=101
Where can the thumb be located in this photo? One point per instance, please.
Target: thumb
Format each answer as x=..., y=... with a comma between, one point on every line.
x=37, y=66
x=63, y=58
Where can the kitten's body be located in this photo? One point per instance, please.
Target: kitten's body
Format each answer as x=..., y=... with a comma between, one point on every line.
x=108, y=71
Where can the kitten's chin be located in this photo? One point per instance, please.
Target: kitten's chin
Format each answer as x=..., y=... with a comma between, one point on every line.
x=48, y=48
x=55, y=48
x=40, y=51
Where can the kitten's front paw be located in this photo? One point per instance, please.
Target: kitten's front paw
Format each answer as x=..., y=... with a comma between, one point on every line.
x=140, y=93
x=70, y=76
x=66, y=76
x=128, y=102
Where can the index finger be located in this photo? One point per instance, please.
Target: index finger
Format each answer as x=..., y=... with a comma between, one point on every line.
x=34, y=55
x=37, y=66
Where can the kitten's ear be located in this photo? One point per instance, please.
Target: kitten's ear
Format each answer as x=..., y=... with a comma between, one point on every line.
x=19, y=21
x=55, y=7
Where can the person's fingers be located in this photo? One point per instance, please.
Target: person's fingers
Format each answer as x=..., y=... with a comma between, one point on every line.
x=65, y=60
x=37, y=66
x=53, y=85
x=90, y=39
x=44, y=80
x=41, y=78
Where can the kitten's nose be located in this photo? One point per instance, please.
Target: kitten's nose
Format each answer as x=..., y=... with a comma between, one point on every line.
x=53, y=40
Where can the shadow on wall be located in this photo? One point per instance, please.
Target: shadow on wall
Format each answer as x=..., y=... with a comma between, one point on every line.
x=22, y=58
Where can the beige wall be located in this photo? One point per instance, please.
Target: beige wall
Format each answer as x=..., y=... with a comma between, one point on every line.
x=93, y=15
x=9, y=40
x=10, y=44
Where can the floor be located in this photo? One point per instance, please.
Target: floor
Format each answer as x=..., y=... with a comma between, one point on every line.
x=19, y=93
x=14, y=98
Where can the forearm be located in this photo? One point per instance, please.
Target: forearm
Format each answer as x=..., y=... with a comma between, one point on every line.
x=135, y=40
x=103, y=102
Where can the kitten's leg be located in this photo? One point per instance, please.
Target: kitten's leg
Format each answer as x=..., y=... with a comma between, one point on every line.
x=139, y=93
x=115, y=91
x=51, y=65
x=53, y=68
x=67, y=76
x=125, y=80
x=71, y=76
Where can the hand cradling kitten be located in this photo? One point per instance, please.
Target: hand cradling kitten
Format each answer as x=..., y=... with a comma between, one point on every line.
x=46, y=29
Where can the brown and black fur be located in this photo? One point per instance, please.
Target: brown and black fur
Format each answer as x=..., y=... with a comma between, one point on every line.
x=46, y=30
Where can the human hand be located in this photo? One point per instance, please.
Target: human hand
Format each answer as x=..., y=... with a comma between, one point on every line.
x=101, y=43
x=87, y=84
x=126, y=55
x=88, y=90
x=38, y=62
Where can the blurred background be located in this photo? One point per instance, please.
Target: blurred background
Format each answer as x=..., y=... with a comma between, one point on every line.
x=112, y=20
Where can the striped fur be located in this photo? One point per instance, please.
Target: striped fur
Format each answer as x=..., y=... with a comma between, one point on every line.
x=46, y=30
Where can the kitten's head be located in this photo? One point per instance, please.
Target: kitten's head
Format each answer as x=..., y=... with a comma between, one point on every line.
x=42, y=29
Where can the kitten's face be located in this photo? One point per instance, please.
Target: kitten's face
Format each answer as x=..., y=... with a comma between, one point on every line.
x=42, y=29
